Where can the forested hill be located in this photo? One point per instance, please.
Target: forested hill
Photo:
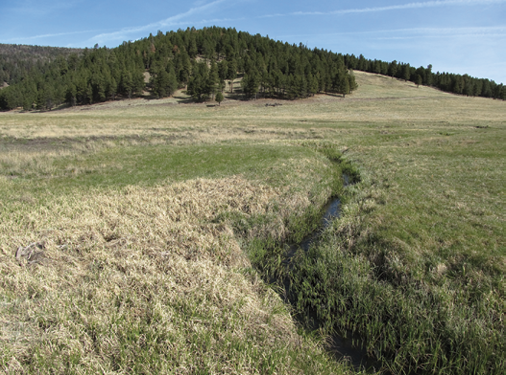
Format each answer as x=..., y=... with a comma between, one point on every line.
x=202, y=60
x=16, y=61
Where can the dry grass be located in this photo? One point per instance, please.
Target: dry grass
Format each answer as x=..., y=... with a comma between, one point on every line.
x=141, y=272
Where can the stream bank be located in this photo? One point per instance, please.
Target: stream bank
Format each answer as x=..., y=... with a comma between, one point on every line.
x=348, y=347
x=276, y=263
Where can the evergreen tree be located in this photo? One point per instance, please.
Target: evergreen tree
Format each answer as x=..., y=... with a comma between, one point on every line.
x=223, y=70
x=392, y=68
x=406, y=72
x=213, y=80
x=219, y=98
x=345, y=86
x=192, y=48
x=250, y=83
x=126, y=83
x=160, y=84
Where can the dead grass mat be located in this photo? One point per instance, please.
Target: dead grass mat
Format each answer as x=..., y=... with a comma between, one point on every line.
x=149, y=261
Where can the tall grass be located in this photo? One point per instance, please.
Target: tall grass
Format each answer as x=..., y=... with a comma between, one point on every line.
x=357, y=281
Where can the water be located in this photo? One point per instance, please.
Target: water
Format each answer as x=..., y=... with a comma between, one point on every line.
x=348, y=348
x=331, y=212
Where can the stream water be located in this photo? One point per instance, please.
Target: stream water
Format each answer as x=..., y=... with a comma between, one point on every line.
x=348, y=348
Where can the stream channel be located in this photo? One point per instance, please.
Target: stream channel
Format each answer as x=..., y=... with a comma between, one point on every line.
x=348, y=348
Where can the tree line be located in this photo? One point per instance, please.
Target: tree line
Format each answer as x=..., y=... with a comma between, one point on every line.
x=201, y=61
x=448, y=82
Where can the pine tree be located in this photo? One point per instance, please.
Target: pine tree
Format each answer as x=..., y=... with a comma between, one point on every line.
x=232, y=69
x=392, y=68
x=213, y=80
x=313, y=85
x=250, y=84
x=160, y=84
x=406, y=72
x=223, y=70
x=172, y=83
x=219, y=98
x=192, y=48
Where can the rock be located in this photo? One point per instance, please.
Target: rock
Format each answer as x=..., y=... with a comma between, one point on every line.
x=30, y=254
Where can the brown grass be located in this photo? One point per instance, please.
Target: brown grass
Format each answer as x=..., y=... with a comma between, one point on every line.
x=112, y=259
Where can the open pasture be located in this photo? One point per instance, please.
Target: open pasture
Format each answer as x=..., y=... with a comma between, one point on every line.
x=137, y=208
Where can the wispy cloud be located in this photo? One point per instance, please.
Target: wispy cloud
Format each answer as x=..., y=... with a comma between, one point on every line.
x=171, y=21
x=415, y=5
x=437, y=31
x=34, y=37
x=415, y=32
x=443, y=32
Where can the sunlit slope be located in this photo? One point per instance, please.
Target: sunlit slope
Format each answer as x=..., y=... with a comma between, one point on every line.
x=379, y=86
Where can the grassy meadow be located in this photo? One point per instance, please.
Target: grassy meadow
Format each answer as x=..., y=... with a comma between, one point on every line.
x=155, y=225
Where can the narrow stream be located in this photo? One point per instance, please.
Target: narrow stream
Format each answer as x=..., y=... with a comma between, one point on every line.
x=342, y=348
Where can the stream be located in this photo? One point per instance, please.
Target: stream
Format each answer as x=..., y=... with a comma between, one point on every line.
x=342, y=348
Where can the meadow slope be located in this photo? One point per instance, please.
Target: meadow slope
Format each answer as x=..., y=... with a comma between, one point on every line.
x=143, y=214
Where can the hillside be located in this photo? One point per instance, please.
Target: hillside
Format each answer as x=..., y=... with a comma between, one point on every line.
x=17, y=61
x=199, y=60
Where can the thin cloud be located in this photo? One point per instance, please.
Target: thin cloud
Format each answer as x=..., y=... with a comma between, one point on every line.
x=428, y=4
x=122, y=34
x=457, y=32
x=49, y=35
x=417, y=31
x=442, y=31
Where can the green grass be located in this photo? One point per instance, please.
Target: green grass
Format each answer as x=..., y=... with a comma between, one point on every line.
x=134, y=165
x=125, y=308
x=416, y=266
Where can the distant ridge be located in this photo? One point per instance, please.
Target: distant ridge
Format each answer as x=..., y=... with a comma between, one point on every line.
x=17, y=60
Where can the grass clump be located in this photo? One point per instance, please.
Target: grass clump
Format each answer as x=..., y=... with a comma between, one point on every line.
x=148, y=276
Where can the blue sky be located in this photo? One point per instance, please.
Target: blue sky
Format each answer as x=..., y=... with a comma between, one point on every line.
x=458, y=36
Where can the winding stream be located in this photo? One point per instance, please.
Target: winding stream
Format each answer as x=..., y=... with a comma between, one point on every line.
x=342, y=348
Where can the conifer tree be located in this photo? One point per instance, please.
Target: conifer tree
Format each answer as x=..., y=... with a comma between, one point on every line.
x=344, y=86
x=250, y=83
x=219, y=98
x=232, y=69
x=406, y=72
x=392, y=68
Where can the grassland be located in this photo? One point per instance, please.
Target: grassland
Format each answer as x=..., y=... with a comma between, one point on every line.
x=145, y=213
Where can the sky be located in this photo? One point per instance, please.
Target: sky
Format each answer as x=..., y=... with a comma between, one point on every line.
x=456, y=36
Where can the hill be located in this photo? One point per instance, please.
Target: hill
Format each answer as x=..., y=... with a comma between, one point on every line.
x=201, y=62
x=18, y=61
